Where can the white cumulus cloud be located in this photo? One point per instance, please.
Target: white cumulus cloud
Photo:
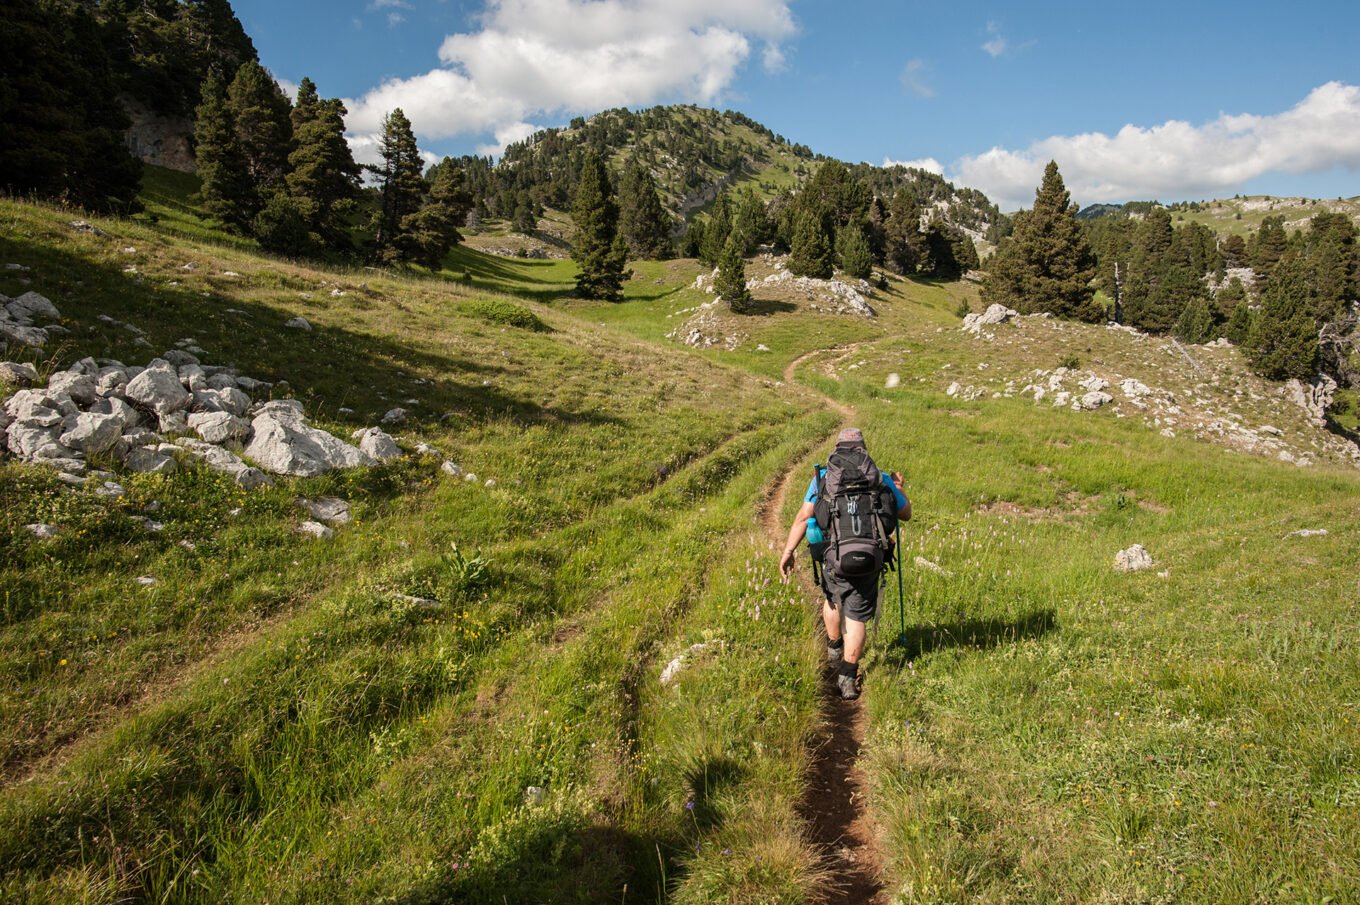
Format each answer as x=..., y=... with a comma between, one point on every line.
x=929, y=164
x=535, y=58
x=1177, y=159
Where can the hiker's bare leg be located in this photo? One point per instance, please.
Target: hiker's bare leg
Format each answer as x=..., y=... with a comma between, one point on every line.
x=831, y=618
x=854, y=640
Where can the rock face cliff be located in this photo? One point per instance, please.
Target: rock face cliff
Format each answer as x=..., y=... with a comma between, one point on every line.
x=163, y=141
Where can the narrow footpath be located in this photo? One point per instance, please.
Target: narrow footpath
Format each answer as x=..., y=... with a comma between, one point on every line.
x=835, y=805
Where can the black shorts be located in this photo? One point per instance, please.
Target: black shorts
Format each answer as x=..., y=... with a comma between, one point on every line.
x=856, y=597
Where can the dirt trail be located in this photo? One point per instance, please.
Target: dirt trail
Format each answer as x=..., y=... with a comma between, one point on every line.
x=835, y=804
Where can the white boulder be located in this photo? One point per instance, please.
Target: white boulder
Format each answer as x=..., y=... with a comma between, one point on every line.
x=284, y=444
x=377, y=444
x=1134, y=559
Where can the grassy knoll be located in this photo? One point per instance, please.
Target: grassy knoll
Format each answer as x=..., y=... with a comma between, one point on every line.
x=1049, y=729
x=275, y=717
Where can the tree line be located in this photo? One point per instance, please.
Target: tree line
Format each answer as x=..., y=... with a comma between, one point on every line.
x=65, y=67
x=1294, y=315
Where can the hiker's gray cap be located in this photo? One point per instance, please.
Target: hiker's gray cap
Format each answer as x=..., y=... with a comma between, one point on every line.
x=850, y=436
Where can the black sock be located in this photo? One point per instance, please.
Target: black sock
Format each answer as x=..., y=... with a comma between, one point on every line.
x=848, y=669
x=837, y=644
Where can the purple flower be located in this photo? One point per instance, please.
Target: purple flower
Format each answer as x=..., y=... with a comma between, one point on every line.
x=689, y=805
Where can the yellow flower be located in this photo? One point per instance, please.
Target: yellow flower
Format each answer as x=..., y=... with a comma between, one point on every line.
x=63, y=662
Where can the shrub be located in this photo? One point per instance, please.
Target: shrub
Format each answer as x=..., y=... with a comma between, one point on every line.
x=506, y=314
x=280, y=228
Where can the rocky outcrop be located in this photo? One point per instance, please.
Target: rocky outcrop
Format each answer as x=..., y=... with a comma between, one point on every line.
x=162, y=141
x=995, y=314
x=283, y=443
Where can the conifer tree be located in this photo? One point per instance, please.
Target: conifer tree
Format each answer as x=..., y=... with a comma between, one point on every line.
x=1268, y=245
x=1241, y=324
x=226, y=190
x=323, y=178
x=264, y=132
x=731, y=281
x=853, y=250
x=433, y=229
x=810, y=255
x=1196, y=323
x=1047, y=265
x=401, y=188
x=599, y=249
x=716, y=231
x=752, y=221
x=643, y=220
x=1284, y=338
x=306, y=107
x=61, y=126
x=693, y=241
x=903, y=239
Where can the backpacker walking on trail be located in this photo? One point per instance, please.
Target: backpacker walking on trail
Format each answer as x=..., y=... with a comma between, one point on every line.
x=848, y=514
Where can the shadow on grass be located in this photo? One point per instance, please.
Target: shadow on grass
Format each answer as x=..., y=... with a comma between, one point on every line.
x=553, y=863
x=767, y=307
x=327, y=368
x=979, y=634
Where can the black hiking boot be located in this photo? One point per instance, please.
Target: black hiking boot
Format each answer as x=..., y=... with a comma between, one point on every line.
x=848, y=689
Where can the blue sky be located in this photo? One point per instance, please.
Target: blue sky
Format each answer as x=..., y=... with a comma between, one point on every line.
x=1193, y=99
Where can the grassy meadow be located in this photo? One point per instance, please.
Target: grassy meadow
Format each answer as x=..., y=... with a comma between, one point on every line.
x=459, y=697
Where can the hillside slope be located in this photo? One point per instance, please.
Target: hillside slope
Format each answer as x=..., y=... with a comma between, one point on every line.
x=694, y=153
x=385, y=715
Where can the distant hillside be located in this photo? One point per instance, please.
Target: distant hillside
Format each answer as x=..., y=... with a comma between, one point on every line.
x=694, y=153
x=1239, y=215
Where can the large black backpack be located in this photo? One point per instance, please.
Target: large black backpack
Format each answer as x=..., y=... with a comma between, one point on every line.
x=857, y=513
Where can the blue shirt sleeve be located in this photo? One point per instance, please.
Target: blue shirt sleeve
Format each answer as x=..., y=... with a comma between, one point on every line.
x=897, y=494
x=811, y=495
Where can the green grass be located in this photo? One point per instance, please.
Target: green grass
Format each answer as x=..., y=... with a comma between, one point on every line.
x=1049, y=729
x=274, y=717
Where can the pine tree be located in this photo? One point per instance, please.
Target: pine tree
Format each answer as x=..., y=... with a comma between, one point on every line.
x=853, y=250
x=1241, y=324
x=61, y=126
x=810, y=255
x=433, y=229
x=323, y=178
x=716, y=231
x=752, y=221
x=307, y=106
x=599, y=250
x=693, y=241
x=264, y=132
x=1284, y=338
x=401, y=188
x=1047, y=265
x=1268, y=245
x=226, y=190
x=282, y=228
x=904, y=243
x=1196, y=324
x=731, y=281
x=643, y=220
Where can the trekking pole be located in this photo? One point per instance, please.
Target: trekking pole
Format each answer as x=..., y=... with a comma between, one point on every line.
x=901, y=601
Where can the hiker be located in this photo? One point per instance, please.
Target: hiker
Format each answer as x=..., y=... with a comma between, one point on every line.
x=854, y=552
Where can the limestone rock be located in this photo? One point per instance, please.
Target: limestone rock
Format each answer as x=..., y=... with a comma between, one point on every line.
x=91, y=433
x=33, y=305
x=80, y=387
x=1094, y=400
x=148, y=460
x=995, y=314
x=230, y=400
x=219, y=459
x=180, y=358
x=284, y=444
x=395, y=416
x=331, y=510
x=42, y=531
x=18, y=373
x=377, y=444
x=219, y=427
x=315, y=530
x=158, y=388
x=1134, y=559
x=298, y=323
